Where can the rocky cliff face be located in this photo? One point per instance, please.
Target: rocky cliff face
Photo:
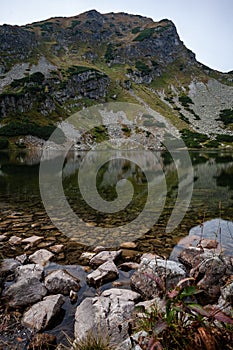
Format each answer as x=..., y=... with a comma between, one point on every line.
x=53, y=68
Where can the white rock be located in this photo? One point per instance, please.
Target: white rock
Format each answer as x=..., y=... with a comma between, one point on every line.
x=109, y=313
x=58, y=248
x=104, y=256
x=41, y=257
x=3, y=238
x=22, y=258
x=14, y=240
x=60, y=281
x=33, y=240
x=105, y=273
x=40, y=315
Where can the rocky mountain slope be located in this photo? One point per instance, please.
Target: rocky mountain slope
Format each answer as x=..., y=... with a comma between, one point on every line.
x=53, y=68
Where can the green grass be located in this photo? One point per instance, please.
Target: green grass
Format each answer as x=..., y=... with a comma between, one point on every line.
x=144, y=34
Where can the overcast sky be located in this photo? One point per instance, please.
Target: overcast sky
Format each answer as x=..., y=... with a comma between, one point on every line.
x=205, y=26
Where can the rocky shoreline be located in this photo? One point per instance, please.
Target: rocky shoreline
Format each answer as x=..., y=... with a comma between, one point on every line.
x=106, y=293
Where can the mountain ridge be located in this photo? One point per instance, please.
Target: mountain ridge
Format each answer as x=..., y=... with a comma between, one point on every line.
x=55, y=67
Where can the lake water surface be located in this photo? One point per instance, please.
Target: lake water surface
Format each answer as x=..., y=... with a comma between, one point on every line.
x=212, y=195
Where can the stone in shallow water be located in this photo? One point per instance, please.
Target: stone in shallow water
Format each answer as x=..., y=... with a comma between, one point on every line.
x=41, y=257
x=25, y=292
x=86, y=257
x=3, y=238
x=61, y=281
x=109, y=313
x=33, y=240
x=58, y=248
x=14, y=240
x=105, y=273
x=40, y=315
x=128, y=245
x=104, y=256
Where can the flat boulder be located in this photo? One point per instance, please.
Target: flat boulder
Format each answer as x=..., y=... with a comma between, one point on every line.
x=41, y=315
x=110, y=312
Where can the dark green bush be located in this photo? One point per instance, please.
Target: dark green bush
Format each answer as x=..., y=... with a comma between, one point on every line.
x=80, y=69
x=224, y=138
x=3, y=143
x=193, y=139
x=109, y=54
x=185, y=100
x=212, y=144
x=37, y=77
x=136, y=30
x=142, y=67
x=226, y=116
x=22, y=129
x=74, y=23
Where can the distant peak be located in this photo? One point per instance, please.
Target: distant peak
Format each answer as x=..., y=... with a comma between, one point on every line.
x=93, y=14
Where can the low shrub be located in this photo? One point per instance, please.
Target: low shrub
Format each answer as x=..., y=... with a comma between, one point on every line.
x=145, y=34
x=22, y=129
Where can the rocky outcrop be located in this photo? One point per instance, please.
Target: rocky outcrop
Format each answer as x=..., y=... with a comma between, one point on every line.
x=16, y=43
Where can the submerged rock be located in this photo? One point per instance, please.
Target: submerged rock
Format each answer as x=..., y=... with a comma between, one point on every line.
x=107, y=315
x=41, y=314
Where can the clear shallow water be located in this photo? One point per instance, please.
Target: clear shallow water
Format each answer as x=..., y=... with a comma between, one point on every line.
x=212, y=196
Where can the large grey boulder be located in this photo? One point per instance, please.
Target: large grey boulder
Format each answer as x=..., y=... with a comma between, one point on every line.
x=107, y=315
x=40, y=315
x=25, y=291
x=155, y=274
x=60, y=281
x=105, y=273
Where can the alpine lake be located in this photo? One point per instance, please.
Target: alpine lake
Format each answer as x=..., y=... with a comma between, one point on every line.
x=209, y=213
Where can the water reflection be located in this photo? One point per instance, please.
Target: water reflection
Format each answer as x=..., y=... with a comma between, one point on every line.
x=212, y=196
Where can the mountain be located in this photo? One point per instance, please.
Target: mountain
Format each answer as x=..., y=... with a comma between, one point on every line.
x=53, y=68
